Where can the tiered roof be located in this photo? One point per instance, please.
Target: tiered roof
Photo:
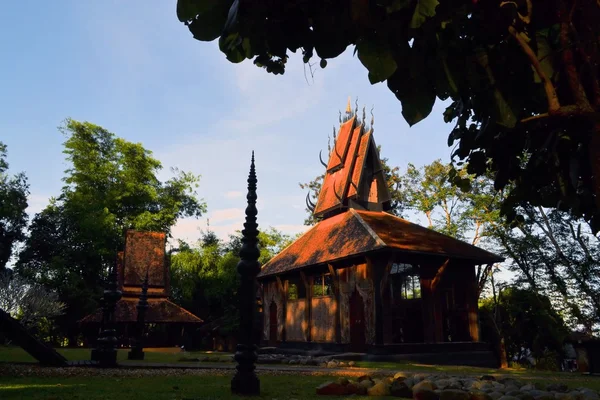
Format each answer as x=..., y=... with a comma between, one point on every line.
x=354, y=177
x=352, y=207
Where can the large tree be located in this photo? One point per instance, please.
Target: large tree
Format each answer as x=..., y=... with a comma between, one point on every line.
x=523, y=76
x=13, y=203
x=111, y=185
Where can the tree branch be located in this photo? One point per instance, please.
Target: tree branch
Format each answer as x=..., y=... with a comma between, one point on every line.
x=552, y=97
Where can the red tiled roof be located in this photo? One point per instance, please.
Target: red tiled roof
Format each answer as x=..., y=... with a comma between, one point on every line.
x=159, y=311
x=358, y=169
x=355, y=232
x=341, y=145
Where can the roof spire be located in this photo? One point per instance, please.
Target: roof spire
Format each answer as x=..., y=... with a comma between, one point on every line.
x=349, y=106
x=372, y=118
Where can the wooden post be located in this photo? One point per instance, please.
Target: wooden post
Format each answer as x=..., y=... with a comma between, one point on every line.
x=307, y=310
x=472, y=306
x=376, y=271
x=283, y=288
x=336, y=294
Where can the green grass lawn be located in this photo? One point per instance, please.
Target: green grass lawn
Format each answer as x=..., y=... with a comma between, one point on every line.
x=16, y=354
x=209, y=386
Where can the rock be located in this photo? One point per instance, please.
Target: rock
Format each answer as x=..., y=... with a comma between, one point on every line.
x=420, y=377
x=428, y=385
x=529, y=386
x=480, y=396
x=343, y=381
x=443, y=383
x=410, y=382
x=399, y=389
x=381, y=388
x=495, y=395
x=341, y=364
x=364, y=377
x=523, y=395
x=425, y=394
x=481, y=386
x=564, y=396
x=400, y=375
x=332, y=364
x=510, y=388
x=353, y=388
x=454, y=394
x=488, y=378
x=293, y=362
x=331, y=389
x=557, y=387
x=351, y=364
x=508, y=398
x=541, y=394
x=589, y=394
x=367, y=383
x=499, y=387
x=509, y=381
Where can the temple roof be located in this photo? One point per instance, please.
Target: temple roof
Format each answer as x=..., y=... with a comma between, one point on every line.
x=357, y=232
x=354, y=175
x=159, y=311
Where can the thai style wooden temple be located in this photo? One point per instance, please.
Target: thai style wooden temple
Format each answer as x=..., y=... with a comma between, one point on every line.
x=144, y=253
x=364, y=280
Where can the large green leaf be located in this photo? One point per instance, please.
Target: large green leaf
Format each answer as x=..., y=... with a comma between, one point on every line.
x=425, y=9
x=187, y=10
x=544, y=55
x=208, y=25
x=413, y=85
x=377, y=58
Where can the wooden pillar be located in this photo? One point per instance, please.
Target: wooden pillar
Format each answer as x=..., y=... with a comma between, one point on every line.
x=308, y=309
x=336, y=295
x=376, y=267
x=431, y=303
x=472, y=306
x=283, y=288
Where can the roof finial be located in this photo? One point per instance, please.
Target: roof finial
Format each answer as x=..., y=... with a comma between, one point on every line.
x=364, y=118
x=372, y=118
x=321, y=159
x=356, y=105
x=349, y=107
x=340, y=117
x=329, y=143
x=334, y=137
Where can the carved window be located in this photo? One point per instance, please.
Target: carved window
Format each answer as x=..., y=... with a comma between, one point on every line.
x=295, y=290
x=322, y=285
x=404, y=282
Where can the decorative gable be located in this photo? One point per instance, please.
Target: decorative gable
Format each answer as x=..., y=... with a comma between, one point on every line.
x=354, y=176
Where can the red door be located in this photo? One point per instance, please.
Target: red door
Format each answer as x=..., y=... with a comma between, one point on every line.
x=357, y=323
x=272, y=323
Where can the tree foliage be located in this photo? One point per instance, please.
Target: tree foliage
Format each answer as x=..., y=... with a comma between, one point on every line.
x=13, y=203
x=523, y=77
x=527, y=321
x=204, y=277
x=556, y=255
x=111, y=185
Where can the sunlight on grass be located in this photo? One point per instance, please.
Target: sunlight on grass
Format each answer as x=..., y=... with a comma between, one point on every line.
x=36, y=386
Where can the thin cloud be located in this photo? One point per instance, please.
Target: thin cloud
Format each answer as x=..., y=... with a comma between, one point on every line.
x=233, y=194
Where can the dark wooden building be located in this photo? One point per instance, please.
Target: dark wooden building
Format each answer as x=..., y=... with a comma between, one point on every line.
x=166, y=322
x=363, y=279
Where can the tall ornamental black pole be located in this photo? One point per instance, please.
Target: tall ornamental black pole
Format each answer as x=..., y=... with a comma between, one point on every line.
x=137, y=348
x=245, y=381
x=106, y=350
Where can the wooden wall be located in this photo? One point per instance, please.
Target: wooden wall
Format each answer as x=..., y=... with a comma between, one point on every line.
x=295, y=322
x=272, y=293
x=356, y=277
x=323, y=319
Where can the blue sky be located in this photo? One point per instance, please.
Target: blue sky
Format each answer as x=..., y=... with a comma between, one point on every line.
x=133, y=68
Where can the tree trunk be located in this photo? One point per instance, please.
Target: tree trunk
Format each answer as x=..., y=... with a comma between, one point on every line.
x=502, y=353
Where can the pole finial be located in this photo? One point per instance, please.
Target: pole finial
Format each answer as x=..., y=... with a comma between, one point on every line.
x=349, y=106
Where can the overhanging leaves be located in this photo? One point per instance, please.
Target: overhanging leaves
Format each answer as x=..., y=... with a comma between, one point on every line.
x=377, y=58
x=425, y=9
x=208, y=24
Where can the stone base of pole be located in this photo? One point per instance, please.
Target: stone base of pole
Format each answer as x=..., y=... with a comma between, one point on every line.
x=245, y=382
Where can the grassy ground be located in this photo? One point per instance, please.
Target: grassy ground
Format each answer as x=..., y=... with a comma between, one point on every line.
x=182, y=385
x=161, y=355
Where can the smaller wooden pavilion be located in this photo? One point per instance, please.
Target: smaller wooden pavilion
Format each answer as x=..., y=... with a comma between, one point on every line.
x=363, y=279
x=166, y=322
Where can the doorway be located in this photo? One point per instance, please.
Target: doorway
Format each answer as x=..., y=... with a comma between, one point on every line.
x=357, y=323
x=273, y=323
